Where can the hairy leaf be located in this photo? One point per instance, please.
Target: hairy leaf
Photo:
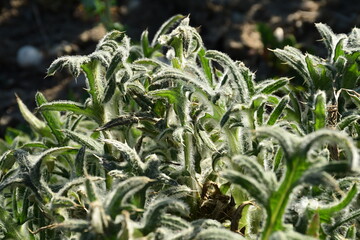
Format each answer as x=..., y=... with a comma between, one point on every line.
x=320, y=110
x=52, y=118
x=278, y=110
x=38, y=125
x=132, y=156
x=69, y=106
x=255, y=189
x=84, y=140
x=157, y=208
x=166, y=27
x=218, y=234
x=121, y=193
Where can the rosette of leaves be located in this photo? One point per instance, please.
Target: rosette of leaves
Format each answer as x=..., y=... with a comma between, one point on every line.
x=306, y=163
x=153, y=109
x=140, y=158
x=330, y=84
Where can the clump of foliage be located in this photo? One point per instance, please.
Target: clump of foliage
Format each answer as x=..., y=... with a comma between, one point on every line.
x=178, y=142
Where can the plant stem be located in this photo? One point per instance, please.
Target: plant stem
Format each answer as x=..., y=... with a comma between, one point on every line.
x=189, y=166
x=233, y=141
x=278, y=200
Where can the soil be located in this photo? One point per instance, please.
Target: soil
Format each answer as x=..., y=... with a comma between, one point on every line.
x=63, y=27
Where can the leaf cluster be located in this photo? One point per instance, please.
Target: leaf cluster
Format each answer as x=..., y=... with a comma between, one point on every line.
x=179, y=142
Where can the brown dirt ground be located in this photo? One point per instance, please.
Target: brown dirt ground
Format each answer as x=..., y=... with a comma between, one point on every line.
x=63, y=27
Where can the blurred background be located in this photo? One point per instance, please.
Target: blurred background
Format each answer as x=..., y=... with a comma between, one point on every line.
x=35, y=32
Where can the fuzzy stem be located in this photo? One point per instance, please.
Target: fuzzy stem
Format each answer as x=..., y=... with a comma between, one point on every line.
x=279, y=199
x=189, y=166
x=234, y=142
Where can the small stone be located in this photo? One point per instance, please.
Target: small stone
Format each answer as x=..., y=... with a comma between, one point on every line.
x=237, y=17
x=279, y=34
x=29, y=56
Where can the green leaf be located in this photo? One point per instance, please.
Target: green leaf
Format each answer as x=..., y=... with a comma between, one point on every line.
x=91, y=191
x=84, y=140
x=175, y=192
x=326, y=213
x=174, y=223
x=52, y=119
x=150, y=62
x=207, y=140
x=278, y=110
x=206, y=66
x=336, y=167
x=61, y=198
x=277, y=159
x=132, y=157
x=327, y=35
x=119, y=121
x=109, y=90
x=345, y=219
x=287, y=140
x=351, y=74
x=109, y=40
x=100, y=58
x=347, y=121
x=355, y=97
x=95, y=81
x=351, y=233
x=13, y=231
x=320, y=110
x=227, y=63
x=330, y=136
x=176, y=97
x=16, y=179
x=260, y=114
x=339, y=53
x=51, y=151
x=296, y=107
x=119, y=57
x=296, y=60
x=202, y=224
x=249, y=77
x=353, y=41
x=141, y=98
x=254, y=170
x=320, y=76
x=118, y=198
x=272, y=85
x=218, y=234
x=145, y=45
x=330, y=39
x=255, y=189
x=166, y=27
x=38, y=125
x=69, y=106
x=37, y=159
x=34, y=145
x=79, y=162
x=176, y=76
x=118, y=61
x=289, y=235
x=156, y=209
x=73, y=63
